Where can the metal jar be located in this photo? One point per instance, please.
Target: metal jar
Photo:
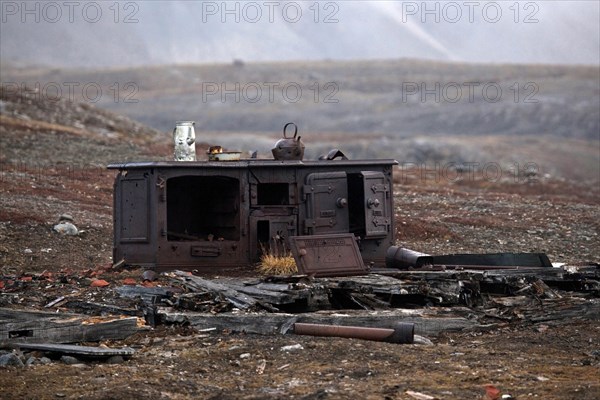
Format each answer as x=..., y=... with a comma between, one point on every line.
x=184, y=138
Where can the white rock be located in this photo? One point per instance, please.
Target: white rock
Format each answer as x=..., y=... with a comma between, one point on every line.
x=292, y=347
x=66, y=228
x=65, y=217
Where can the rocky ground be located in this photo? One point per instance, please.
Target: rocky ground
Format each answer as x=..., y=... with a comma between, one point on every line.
x=556, y=363
x=51, y=167
x=535, y=215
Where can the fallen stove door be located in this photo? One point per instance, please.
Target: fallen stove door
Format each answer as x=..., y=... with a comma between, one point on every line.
x=327, y=203
x=378, y=218
x=327, y=255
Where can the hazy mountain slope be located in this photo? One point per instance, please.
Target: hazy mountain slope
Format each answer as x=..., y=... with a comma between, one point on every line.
x=388, y=97
x=35, y=131
x=372, y=112
x=166, y=32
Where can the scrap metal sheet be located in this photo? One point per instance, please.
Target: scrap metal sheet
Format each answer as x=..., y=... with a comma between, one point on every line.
x=327, y=255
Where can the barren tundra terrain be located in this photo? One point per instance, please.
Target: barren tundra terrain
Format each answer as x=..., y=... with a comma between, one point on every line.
x=52, y=161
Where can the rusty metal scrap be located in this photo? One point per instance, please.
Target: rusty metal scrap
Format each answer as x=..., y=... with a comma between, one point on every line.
x=495, y=259
x=401, y=333
x=327, y=255
x=402, y=258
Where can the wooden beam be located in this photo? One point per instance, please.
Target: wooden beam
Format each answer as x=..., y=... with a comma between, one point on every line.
x=77, y=350
x=21, y=326
x=24, y=315
x=426, y=322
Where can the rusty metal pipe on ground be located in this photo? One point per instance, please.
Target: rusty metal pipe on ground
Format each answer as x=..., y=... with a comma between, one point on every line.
x=403, y=333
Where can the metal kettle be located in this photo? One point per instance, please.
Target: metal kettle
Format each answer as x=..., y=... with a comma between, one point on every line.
x=289, y=148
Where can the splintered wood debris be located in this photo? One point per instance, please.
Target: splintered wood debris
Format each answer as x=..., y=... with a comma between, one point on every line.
x=465, y=299
x=434, y=300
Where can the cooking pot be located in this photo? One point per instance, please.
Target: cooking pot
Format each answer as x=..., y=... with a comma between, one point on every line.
x=289, y=148
x=216, y=153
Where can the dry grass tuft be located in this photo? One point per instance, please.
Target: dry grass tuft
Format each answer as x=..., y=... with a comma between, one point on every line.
x=272, y=264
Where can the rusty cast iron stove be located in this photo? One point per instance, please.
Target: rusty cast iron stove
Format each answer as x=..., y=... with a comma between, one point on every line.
x=210, y=213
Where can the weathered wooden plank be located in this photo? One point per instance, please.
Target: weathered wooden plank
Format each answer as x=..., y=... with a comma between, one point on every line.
x=514, y=301
x=563, y=310
x=258, y=284
x=12, y=314
x=196, y=283
x=276, y=287
x=357, y=282
x=429, y=274
x=78, y=350
x=86, y=307
x=554, y=311
x=270, y=296
x=438, y=291
x=426, y=323
x=26, y=327
x=148, y=295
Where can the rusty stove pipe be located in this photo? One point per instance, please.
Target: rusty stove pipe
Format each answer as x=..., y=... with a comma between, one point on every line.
x=402, y=332
x=398, y=257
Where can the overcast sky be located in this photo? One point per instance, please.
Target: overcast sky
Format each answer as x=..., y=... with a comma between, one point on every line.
x=133, y=33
